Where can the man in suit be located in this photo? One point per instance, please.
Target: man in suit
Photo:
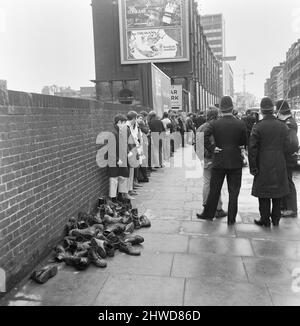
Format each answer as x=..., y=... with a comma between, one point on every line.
x=268, y=145
x=230, y=135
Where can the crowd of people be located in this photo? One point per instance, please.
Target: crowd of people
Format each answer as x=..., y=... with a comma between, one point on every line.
x=149, y=148
x=270, y=143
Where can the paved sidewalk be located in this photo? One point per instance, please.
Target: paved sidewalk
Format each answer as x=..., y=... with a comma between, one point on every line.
x=185, y=261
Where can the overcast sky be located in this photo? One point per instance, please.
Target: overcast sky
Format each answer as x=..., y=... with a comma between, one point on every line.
x=45, y=42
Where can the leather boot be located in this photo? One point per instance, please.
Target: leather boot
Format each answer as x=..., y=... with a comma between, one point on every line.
x=43, y=275
x=145, y=222
x=99, y=246
x=129, y=228
x=96, y=259
x=112, y=220
x=112, y=239
x=101, y=201
x=134, y=239
x=127, y=248
x=80, y=263
x=135, y=218
x=109, y=248
x=263, y=223
x=85, y=234
x=116, y=228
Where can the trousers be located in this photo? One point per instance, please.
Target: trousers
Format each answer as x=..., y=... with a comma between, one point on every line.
x=265, y=209
x=118, y=184
x=234, y=181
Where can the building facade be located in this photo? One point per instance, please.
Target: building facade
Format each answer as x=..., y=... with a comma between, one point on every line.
x=214, y=30
x=293, y=74
x=284, y=81
x=267, y=90
x=199, y=76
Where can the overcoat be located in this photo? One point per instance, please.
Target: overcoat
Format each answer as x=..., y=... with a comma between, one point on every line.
x=268, y=145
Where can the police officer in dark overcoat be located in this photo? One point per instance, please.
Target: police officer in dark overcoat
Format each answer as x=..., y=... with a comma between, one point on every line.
x=267, y=149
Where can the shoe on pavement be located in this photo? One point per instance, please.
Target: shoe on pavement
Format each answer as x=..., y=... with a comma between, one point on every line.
x=85, y=234
x=203, y=217
x=134, y=239
x=43, y=275
x=262, y=223
x=95, y=258
x=116, y=228
x=99, y=246
x=95, y=219
x=128, y=249
x=109, y=248
x=289, y=214
x=127, y=218
x=135, y=218
x=80, y=263
x=101, y=201
x=145, y=222
x=129, y=228
x=220, y=213
x=275, y=222
x=112, y=220
x=112, y=239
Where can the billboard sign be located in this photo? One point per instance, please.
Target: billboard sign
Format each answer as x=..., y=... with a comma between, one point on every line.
x=176, y=97
x=154, y=31
x=161, y=88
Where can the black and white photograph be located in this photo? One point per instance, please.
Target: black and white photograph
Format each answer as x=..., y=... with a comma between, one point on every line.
x=149, y=158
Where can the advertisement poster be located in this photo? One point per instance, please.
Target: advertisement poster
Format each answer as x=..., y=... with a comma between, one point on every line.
x=176, y=97
x=153, y=31
x=161, y=88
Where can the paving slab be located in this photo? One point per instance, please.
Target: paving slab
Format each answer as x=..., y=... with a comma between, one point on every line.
x=277, y=248
x=165, y=243
x=213, y=267
x=200, y=292
x=128, y=290
x=207, y=228
x=221, y=246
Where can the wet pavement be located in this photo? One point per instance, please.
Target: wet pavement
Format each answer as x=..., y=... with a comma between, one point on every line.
x=186, y=261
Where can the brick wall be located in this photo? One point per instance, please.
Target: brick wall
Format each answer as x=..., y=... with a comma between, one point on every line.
x=48, y=172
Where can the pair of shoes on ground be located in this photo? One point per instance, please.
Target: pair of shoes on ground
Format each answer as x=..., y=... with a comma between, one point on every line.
x=267, y=224
x=43, y=275
x=219, y=214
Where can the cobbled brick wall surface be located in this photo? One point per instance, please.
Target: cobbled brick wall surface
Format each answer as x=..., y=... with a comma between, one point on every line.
x=48, y=172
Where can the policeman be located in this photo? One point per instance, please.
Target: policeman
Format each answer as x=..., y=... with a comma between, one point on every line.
x=230, y=135
x=268, y=144
x=289, y=202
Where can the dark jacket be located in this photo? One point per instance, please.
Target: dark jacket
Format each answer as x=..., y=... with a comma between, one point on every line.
x=199, y=121
x=144, y=128
x=156, y=125
x=190, y=125
x=229, y=135
x=267, y=148
x=115, y=153
x=291, y=158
